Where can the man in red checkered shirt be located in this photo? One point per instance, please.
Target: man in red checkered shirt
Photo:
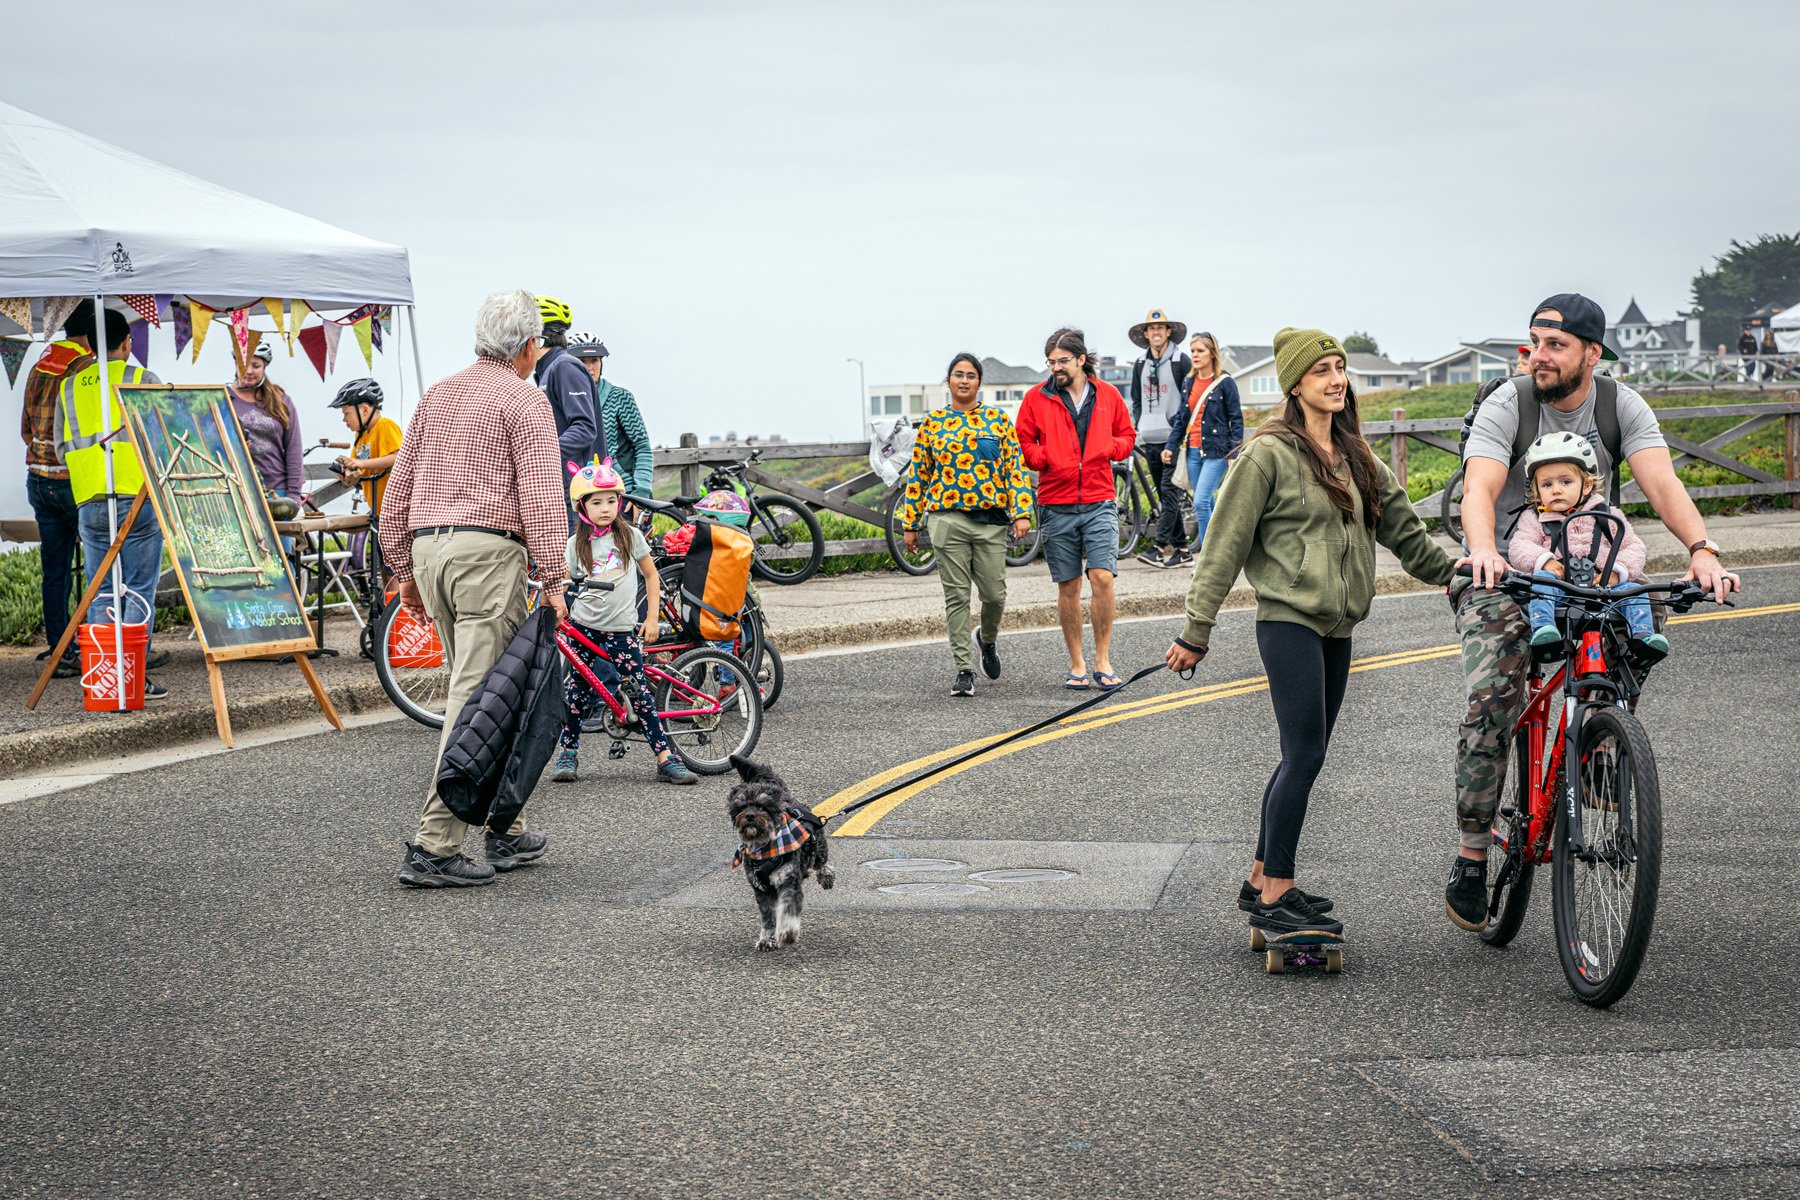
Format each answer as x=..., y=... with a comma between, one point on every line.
x=476, y=497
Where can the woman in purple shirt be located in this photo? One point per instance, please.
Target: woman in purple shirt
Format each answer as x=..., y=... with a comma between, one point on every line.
x=271, y=426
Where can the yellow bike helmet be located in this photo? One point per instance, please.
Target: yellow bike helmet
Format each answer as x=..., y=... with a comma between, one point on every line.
x=554, y=311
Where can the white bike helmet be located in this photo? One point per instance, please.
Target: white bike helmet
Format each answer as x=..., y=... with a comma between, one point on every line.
x=1561, y=447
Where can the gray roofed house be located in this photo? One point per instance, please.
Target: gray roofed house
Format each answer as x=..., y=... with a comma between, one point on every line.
x=1637, y=336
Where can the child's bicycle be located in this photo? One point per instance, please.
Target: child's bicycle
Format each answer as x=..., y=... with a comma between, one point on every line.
x=1598, y=826
x=706, y=719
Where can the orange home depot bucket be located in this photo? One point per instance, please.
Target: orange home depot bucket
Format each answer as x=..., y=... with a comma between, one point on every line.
x=103, y=674
x=414, y=645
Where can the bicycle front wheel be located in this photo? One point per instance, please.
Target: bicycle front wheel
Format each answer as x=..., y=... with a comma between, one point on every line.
x=1604, y=896
x=709, y=708
x=1128, y=494
x=409, y=661
x=1020, y=551
x=922, y=561
x=1450, y=507
x=790, y=545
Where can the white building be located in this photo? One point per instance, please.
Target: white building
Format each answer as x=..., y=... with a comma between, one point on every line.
x=1002, y=385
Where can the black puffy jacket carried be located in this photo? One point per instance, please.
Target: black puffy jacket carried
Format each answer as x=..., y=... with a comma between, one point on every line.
x=507, y=731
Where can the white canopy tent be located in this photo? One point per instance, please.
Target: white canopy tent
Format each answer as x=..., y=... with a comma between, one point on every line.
x=82, y=218
x=1786, y=327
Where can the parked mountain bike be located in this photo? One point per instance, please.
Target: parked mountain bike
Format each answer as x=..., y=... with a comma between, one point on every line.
x=790, y=545
x=1450, y=505
x=1587, y=800
x=1140, y=506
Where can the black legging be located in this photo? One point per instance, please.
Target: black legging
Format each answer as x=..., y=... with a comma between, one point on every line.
x=1307, y=674
x=1162, y=477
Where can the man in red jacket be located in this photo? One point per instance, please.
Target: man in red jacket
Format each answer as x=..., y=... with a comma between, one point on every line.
x=1072, y=428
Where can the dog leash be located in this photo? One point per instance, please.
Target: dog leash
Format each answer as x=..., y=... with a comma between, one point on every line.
x=1064, y=715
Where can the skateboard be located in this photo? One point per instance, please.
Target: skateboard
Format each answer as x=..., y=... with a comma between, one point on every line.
x=1302, y=948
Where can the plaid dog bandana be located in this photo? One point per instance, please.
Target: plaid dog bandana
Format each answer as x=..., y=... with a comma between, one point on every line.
x=790, y=837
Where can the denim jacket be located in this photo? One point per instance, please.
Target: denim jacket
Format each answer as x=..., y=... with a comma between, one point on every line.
x=1221, y=425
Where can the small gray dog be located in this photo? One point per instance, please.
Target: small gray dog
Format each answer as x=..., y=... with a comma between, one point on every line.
x=781, y=843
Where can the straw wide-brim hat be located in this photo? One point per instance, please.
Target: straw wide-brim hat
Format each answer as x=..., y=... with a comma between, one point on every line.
x=1156, y=316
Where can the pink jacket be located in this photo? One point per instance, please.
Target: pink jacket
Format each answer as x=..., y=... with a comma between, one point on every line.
x=1530, y=546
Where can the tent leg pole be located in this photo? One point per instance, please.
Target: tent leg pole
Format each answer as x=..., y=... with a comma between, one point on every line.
x=103, y=357
x=412, y=326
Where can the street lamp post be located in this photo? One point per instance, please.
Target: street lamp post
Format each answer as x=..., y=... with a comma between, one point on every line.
x=862, y=401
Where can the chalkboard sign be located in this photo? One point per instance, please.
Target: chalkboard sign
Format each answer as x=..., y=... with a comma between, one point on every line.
x=215, y=521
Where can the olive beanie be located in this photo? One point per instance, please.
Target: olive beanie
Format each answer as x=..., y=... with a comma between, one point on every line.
x=1296, y=350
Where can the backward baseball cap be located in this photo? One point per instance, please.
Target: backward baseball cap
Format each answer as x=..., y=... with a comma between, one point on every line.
x=1579, y=316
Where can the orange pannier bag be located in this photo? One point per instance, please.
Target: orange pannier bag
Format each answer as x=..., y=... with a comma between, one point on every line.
x=715, y=579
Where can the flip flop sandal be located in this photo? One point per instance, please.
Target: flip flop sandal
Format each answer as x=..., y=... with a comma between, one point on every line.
x=1107, y=681
x=1075, y=683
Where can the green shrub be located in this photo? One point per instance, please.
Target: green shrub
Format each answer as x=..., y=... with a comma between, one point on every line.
x=22, y=599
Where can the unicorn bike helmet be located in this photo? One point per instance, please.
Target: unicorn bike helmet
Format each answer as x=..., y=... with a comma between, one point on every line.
x=593, y=478
x=727, y=508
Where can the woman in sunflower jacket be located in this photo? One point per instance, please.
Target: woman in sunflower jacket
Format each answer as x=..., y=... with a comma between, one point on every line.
x=967, y=484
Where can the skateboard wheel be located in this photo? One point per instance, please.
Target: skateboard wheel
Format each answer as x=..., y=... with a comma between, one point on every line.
x=1274, y=962
x=1334, y=960
x=1258, y=942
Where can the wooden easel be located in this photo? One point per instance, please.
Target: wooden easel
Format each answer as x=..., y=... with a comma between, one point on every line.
x=296, y=648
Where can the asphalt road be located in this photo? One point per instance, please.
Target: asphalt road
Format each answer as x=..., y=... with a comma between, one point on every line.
x=213, y=985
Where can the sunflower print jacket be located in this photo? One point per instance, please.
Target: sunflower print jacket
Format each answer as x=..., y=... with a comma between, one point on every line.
x=964, y=462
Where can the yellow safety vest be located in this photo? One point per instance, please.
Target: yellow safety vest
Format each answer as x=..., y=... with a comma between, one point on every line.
x=80, y=434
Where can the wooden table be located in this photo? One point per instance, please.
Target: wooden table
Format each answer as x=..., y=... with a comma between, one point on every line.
x=322, y=524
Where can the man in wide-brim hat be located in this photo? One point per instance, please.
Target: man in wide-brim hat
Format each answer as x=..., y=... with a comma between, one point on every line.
x=1156, y=383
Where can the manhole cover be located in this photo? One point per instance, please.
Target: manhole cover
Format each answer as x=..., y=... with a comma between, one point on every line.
x=1022, y=875
x=912, y=866
x=931, y=889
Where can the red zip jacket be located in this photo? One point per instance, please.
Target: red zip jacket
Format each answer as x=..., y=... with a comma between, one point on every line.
x=1067, y=474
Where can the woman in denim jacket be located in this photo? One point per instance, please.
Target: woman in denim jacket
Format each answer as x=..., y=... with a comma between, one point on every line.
x=1211, y=440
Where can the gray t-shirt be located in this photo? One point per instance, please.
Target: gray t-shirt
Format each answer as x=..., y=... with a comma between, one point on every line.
x=615, y=611
x=1498, y=419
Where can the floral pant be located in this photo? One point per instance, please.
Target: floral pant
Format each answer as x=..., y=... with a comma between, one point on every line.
x=580, y=700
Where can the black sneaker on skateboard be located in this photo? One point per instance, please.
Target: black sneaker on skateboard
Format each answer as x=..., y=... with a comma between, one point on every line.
x=1249, y=896
x=1289, y=930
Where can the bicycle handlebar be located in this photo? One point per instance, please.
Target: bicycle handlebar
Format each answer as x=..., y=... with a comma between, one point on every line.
x=1682, y=594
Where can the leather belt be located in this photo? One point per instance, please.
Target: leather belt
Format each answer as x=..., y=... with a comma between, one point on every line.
x=508, y=534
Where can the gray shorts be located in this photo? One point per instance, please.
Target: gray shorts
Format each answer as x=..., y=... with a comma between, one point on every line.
x=1073, y=535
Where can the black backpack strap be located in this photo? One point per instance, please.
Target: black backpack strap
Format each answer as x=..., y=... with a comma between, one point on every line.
x=1606, y=418
x=1525, y=431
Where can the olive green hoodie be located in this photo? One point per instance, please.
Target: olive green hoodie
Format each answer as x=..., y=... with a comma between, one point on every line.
x=1274, y=522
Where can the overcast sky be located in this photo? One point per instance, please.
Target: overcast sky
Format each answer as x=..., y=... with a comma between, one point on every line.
x=736, y=197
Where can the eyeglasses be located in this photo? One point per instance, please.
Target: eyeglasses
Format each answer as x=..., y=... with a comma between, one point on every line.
x=539, y=341
x=1060, y=362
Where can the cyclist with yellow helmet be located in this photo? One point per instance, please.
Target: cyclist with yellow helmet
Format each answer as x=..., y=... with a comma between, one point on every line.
x=562, y=378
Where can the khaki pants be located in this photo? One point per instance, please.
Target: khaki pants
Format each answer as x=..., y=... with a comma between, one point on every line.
x=969, y=552
x=473, y=586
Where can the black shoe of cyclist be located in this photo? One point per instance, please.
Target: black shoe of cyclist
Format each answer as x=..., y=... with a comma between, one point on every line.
x=1152, y=555
x=964, y=685
x=419, y=869
x=1249, y=896
x=1290, y=913
x=1466, y=899
x=505, y=853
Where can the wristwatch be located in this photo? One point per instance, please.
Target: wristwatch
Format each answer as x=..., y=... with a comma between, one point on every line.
x=1705, y=544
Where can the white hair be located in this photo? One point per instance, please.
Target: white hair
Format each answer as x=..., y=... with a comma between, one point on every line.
x=505, y=324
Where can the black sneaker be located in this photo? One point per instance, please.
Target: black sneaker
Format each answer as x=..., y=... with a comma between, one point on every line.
x=157, y=661
x=990, y=657
x=1249, y=897
x=1466, y=899
x=68, y=667
x=154, y=690
x=1290, y=913
x=1153, y=555
x=419, y=869
x=505, y=853
x=1179, y=558
x=964, y=685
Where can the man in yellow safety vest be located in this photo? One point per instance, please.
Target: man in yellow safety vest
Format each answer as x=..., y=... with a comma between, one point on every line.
x=83, y=437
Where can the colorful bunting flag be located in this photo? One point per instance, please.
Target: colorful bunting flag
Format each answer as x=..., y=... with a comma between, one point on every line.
x=375, y=334
x=145, y=307
x=140, y=342
x=313, y=342
x=12, y=355
x=387, y=321
x=17, y=309
x=56, y=312
x=274, y=310
x=240, y=332
x=163, y=306
x=201, y=319
x=333, y=331
x=364, y=338
x=182, y=318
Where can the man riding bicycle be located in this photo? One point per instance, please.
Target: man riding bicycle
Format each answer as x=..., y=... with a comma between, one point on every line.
x=1562, y=394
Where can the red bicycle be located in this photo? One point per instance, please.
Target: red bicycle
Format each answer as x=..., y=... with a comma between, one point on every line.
x=706, y=712
x=1598, y=826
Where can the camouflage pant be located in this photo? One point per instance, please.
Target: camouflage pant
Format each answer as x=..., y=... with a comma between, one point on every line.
x=1495, y=660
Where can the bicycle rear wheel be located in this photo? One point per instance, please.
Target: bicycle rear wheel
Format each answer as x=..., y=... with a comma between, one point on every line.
x=754, y=648
x=784, y=527
x=706, y=740
x=1605, y=897
x=1128, y=495
x=922, y=561
x=1509, y=865
x=1450, y=507
x=409, y=661
x=769, y=676
x=1020, y=551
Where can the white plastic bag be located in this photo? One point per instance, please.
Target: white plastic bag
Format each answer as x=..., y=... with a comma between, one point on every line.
x=890, y=453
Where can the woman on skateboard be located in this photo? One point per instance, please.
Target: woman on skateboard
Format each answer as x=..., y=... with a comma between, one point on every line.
x=1300, y=513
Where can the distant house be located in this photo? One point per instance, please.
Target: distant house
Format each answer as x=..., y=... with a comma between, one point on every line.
x=1002, y=385
x=1471, y=362
x=1368, y=373
x=1636, y=336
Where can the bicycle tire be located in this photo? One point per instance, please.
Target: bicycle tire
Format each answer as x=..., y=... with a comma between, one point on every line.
x=754, y=648
x=770, y=674
x=1130, y=513
x=1450, y=506
x=706, y=743
x=1510, y=870
x=1621, y=816
x=414, y=675
x=922, y=561
x=775, y=518
x=1020, y=551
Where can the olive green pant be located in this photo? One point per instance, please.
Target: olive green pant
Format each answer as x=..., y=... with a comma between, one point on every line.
x=473, y=587
x=969, y=553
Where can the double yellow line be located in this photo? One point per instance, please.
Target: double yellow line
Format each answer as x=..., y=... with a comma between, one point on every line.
x=866, y=819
